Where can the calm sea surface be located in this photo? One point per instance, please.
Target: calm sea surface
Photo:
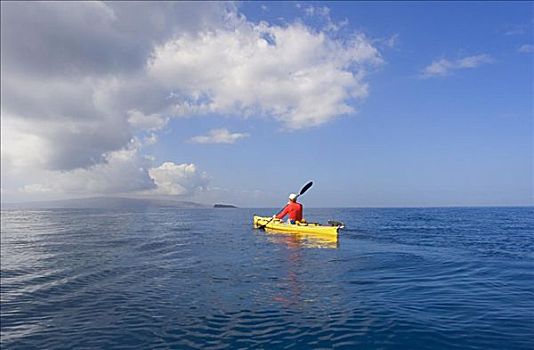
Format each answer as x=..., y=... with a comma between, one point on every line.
x=455, y=278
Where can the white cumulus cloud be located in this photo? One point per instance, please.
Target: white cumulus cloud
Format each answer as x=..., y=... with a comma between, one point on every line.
x=122, y=171
x=292, y=73
x=178, y=179
x=150, y=122
x=125, y=171
x=219, y=136
x=443, y=67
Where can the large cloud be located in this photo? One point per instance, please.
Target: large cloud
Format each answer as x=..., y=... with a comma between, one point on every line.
x=121, y=171
x=80, y=38
x=301, y=77
x=74, y=71
x=124, y=171
x=80, y=80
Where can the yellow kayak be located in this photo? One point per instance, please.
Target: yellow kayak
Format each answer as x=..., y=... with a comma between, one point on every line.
x=307, y=228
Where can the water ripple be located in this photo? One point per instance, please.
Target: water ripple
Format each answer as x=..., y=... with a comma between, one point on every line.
x=203, y=279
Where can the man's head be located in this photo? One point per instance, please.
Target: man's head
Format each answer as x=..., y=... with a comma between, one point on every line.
x=293, y=197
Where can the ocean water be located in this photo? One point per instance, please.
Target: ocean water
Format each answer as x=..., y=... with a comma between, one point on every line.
x=440, y=278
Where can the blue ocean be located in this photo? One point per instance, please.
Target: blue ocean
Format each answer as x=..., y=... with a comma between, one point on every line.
x=432, y=278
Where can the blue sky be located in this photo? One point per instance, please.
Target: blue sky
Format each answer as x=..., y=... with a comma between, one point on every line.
x=445, y=119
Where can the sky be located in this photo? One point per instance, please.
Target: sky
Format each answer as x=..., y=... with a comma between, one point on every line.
x=381, y=104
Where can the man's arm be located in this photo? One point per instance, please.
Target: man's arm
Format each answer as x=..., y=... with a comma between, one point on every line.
x=283, y=213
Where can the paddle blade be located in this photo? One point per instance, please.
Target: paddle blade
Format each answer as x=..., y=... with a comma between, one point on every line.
x=305, y=188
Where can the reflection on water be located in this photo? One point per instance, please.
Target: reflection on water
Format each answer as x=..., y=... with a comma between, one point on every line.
x=294, y=290
x=302, y=240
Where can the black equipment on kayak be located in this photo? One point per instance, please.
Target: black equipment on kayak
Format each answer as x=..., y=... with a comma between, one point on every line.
x=335, y=223
x=302, y=191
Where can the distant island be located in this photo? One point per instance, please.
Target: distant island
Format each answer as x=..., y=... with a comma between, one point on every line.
x=104, y=203
x=224, y=206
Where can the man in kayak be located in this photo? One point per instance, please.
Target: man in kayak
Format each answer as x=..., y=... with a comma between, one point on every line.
x=292, y=209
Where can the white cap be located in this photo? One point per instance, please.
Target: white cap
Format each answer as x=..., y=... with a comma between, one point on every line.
x=292, y=196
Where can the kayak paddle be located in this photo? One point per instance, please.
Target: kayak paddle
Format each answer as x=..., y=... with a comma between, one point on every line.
x=302, y=191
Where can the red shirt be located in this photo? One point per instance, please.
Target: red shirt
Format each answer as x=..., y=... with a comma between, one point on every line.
x=294, y=210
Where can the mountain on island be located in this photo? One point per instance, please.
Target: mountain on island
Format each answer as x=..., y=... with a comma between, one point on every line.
x=224, y=206
x=104, y=203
